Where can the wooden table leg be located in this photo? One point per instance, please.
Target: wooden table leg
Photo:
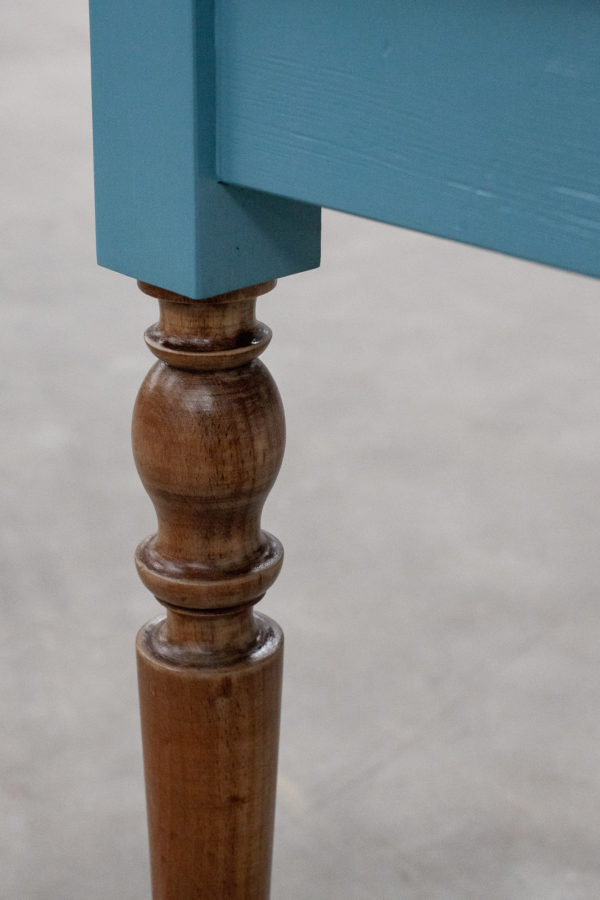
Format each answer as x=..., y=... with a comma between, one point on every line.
x=208, y=438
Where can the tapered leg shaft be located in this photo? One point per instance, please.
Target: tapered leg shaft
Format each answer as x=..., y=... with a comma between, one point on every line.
x=208, y=439
x=210, y=734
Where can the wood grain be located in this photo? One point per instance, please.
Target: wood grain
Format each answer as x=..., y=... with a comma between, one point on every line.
x=208, y=438
x=473, y=121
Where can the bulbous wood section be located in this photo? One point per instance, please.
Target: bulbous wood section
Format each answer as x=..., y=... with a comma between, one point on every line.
x=208, y=438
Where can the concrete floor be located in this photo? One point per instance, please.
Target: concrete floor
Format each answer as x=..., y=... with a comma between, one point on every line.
x=439, y=505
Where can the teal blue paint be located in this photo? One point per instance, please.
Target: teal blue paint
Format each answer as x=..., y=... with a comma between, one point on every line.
x=161, y=216
x=477, y=120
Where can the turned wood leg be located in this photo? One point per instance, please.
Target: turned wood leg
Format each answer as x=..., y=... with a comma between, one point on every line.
x=208, y=438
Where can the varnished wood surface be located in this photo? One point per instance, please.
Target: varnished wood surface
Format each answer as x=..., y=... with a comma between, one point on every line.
x=210, y=728
x=208, y=438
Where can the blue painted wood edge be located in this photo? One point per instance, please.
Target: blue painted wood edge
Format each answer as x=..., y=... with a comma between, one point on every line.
x=161, y=215
x=476, y=121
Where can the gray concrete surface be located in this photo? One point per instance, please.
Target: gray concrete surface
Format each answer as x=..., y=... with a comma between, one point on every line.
x=439, y=505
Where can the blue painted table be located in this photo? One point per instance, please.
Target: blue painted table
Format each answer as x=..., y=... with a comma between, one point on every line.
x=220, y=129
